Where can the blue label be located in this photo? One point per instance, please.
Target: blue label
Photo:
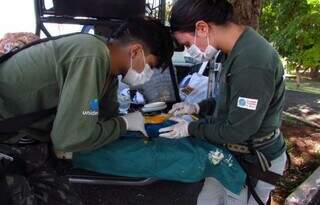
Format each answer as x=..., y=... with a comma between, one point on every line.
x=94, y=105
x=242, y=102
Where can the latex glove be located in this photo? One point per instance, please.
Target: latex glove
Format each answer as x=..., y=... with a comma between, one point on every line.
x=135, y=122
x=177, y=131
x=184, y=109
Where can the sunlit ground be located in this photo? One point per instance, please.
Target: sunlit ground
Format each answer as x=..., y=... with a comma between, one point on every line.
x=305, y=86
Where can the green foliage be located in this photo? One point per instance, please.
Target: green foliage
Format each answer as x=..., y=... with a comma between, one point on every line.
x=293, y=26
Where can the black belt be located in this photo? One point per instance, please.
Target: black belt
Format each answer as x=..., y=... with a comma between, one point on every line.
x=259, y=143
x=254, y=174
x=253, y=147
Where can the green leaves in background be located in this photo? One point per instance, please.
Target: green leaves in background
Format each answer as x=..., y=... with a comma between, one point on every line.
x=293, y=26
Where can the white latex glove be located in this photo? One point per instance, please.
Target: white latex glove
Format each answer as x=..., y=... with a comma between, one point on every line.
x=135, y=122
x=177, y=131
x=184, y=109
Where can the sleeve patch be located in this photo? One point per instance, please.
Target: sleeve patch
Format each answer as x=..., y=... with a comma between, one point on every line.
x=247, y=103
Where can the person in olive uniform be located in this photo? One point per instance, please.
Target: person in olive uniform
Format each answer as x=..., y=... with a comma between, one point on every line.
x=251, y=91
x=78, y=75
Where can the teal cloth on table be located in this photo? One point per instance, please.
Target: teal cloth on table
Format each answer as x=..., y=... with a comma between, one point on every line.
x=184, y=160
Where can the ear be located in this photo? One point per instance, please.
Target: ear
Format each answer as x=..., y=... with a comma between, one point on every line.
x=135, y=49
x=202, y=29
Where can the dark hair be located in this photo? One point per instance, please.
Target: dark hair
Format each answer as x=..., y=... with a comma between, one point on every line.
x=186, y=13
x=151, y=33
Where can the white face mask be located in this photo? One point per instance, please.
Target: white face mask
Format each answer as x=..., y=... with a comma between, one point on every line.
x=199, y=56
x=135, y=79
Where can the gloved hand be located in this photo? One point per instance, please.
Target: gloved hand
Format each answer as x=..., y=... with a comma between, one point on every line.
x=184, y=109
x=135, y=122
x=177, y=131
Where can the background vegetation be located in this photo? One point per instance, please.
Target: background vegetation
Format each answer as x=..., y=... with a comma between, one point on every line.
x=293, y=26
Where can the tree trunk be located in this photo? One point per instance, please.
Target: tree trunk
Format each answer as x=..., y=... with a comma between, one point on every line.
x=247, y=12
x=298, y=77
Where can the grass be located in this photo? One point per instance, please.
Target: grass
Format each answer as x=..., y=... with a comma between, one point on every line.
x=306, y=86
x=289, y=120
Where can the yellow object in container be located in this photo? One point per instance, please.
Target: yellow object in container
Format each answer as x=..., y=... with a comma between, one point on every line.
x=156, y=119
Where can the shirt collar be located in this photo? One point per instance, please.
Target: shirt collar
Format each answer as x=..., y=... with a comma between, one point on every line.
x=238, y=45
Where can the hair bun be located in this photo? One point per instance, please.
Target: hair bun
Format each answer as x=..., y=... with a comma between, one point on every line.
x=221, y=2
x=225, y=7
x=185, y=13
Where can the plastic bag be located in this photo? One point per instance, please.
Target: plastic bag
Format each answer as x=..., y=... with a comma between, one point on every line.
x=194, y=88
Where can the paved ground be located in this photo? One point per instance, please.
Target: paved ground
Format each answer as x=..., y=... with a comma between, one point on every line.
x=172, y=193
x=304, y=105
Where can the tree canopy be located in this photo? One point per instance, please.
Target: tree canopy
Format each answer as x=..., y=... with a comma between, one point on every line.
x=293, y=26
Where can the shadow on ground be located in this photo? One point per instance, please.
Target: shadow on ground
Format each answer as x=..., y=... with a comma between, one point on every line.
x=303, y=105
x=159, y=193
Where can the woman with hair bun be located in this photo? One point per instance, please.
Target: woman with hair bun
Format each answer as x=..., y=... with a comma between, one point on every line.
x=246, y=116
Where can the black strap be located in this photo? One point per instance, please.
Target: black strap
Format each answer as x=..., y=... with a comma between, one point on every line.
x=263, y=162
x=254, y=174
x=267, y=176
x=12, y=125
x=288, y=159
x=174, y=82
x=252, y=191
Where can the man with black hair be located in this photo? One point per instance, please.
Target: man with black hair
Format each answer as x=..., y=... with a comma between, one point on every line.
x=78, y=75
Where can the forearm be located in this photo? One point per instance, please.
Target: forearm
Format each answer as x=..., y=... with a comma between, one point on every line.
x=247, y=105
x=207, y=107
x=217, y=132
x=104, y=132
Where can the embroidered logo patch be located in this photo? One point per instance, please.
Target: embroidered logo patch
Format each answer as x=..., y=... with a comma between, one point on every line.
x=94, y=105
x=247, y=103
x=94, y=108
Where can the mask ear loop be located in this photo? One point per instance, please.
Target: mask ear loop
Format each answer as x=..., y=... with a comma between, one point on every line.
x=144, y=61
x=195, y=38
x=144, y=58
x=208, y=43
x=131, y=64
x=208, y=40
x=131, y=59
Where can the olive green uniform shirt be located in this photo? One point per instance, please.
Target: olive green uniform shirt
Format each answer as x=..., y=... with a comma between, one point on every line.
x=70, y=73
x=251, y=99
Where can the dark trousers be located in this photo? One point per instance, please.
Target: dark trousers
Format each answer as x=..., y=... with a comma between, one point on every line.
x=41, y=184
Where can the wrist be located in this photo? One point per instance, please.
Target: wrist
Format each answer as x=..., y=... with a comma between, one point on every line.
x=197, y=108
x=187, y=129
